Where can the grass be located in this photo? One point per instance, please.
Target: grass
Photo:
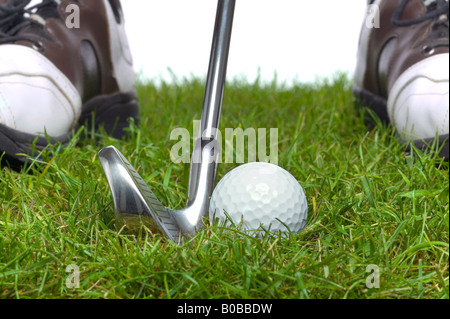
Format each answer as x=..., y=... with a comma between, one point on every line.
x=369, y=204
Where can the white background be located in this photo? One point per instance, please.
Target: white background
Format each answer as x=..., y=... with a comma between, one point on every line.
x=299, y=40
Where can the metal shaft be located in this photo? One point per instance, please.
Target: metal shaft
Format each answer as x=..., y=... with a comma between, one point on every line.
x=206, y=150
x=215, y=83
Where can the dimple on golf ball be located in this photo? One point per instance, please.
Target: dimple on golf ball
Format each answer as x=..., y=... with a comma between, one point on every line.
x=260, y=194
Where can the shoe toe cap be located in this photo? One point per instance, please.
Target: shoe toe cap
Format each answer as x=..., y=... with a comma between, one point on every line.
x=35, y=97
x=418, y=103
x=33, y=106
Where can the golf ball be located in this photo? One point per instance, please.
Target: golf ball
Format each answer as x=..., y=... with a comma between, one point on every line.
x=260, y=194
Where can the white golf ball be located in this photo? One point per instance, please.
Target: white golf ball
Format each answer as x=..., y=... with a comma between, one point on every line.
x=260, y=194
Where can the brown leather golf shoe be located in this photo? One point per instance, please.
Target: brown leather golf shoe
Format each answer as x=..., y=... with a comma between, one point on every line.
x=63, y=63
x=403, y=69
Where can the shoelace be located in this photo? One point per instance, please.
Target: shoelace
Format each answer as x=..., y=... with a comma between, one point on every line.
x=436, y=9
x=9, y=13
x=30, y=16
x=14, y=7
x=438, y=13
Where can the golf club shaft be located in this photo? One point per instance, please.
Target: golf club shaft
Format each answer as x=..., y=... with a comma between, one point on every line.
x=206, y=149
x=215, y=83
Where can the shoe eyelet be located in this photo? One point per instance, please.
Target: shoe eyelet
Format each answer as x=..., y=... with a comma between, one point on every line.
x=427, y=50
x=38, y=46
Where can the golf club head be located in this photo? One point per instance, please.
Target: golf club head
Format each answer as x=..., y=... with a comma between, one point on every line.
x=134, y=202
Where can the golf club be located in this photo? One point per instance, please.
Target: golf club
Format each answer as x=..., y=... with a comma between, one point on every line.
x=133, y=199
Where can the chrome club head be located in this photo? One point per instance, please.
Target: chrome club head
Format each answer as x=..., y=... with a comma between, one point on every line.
x=133, y=200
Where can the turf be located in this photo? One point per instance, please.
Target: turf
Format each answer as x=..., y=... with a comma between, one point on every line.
x=371, y=206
